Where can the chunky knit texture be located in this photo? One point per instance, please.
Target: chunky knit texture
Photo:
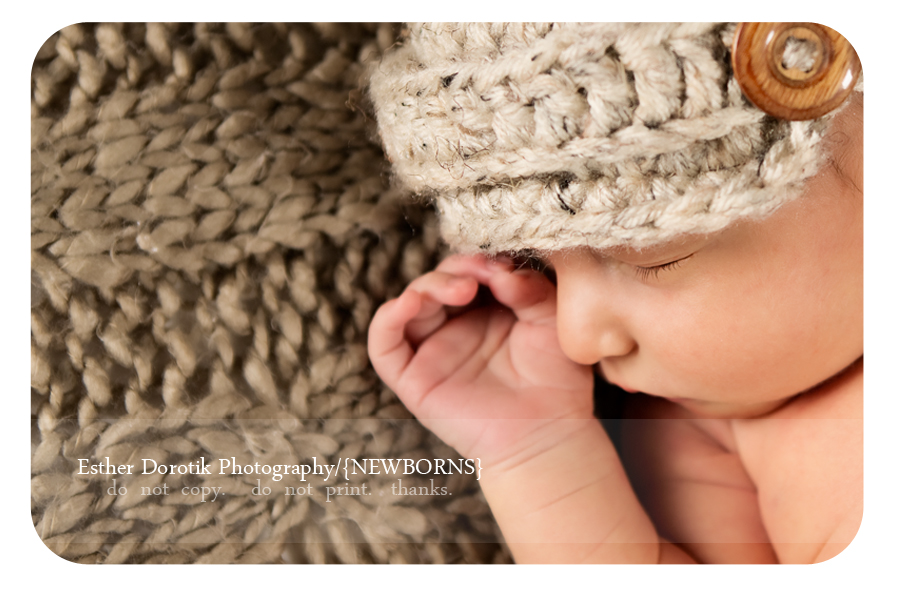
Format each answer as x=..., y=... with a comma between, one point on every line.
x=557, y=135
x=211, y=232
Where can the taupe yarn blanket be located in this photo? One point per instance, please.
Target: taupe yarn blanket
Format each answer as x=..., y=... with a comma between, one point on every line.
x=212, y=229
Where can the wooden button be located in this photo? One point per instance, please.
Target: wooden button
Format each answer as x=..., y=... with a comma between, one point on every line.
x=794, y=71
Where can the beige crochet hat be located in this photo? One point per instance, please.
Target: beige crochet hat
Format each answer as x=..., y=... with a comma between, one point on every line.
x=547, y=136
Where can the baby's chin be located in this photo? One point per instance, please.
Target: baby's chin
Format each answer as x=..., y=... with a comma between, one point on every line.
x=727, y=410
x=710, y=409
x=745, y=410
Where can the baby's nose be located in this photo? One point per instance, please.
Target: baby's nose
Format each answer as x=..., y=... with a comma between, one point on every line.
x=589, y=322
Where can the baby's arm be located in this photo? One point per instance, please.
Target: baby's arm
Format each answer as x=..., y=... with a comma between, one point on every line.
x=691, y=480
x=570, y=502
x=492, y=382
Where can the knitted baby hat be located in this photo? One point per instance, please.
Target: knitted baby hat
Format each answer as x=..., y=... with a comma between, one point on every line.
x=547, y=136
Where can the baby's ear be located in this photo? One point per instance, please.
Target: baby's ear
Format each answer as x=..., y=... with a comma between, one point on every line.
x=844, y=141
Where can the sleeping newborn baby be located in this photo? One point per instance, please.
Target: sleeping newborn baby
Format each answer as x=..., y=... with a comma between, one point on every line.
x=618, y=206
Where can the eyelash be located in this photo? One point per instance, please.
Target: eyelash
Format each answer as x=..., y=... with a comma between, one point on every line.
x=645, y=272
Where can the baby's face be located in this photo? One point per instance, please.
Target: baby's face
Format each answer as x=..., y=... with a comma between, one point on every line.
x=736, y=323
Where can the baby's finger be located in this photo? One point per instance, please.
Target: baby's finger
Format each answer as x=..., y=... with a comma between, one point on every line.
x=438, y=291
x=530, y=295
x=401, y=325
x=389, y=350
x=478, y=266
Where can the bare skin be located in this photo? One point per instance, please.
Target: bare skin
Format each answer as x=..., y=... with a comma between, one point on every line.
x=744, y=350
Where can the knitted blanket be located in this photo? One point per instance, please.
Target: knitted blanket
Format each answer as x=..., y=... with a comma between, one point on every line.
x=212, y=229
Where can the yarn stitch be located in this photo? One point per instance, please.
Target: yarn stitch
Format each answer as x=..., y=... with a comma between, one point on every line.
x=211, y=233
x=548, y=136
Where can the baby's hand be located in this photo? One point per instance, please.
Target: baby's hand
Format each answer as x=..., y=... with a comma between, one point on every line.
x=489, y=380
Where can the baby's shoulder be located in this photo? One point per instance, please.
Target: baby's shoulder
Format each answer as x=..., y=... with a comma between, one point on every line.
x=809, y=452
x=806, y=422
x=796, y=471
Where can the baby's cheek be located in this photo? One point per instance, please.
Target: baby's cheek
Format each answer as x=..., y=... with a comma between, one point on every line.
x=714, y=345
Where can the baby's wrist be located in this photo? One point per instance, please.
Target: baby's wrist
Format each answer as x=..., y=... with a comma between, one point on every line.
x=572, y=498
x=556, y=440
